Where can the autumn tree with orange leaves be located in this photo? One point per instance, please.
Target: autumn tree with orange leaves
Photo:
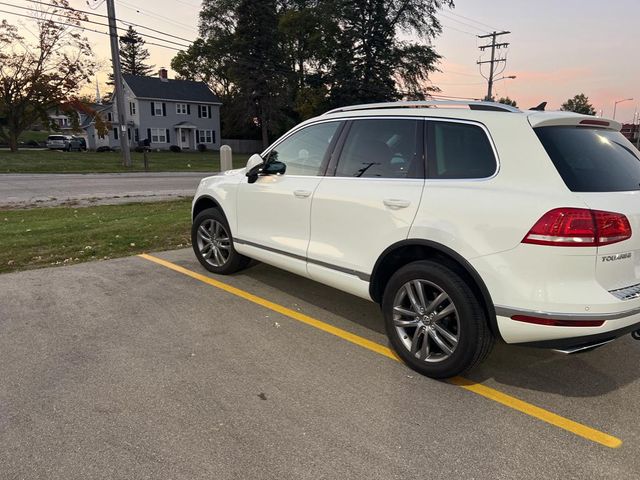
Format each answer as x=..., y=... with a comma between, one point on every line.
x=38, y=75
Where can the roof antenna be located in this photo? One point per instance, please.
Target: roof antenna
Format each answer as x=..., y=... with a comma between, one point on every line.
x=540, y=108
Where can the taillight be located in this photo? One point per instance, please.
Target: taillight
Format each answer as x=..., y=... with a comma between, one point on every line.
x=552, y=322
x=579, y=227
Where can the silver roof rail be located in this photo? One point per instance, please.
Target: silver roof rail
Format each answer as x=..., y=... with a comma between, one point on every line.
x=472, y=104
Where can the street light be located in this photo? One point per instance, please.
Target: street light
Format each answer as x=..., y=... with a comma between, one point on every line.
x=511, y=77
x=615, y=105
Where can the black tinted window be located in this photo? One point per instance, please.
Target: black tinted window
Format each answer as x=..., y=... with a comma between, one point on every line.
x=459, y=150
x=381, y=148
x=304, y=151
x=592, y=160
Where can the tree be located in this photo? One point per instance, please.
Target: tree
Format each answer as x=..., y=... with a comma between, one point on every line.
x=579, y=104
x=372, y=64
x=133, y=55
x=508, y=101
x=257, y=68
x=302, y=57
x=36, y=76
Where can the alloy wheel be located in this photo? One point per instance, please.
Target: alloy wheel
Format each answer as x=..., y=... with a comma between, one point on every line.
x=214, y=243
x=426, y=321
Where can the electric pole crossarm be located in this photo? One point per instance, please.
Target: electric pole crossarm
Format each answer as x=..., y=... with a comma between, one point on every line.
x=492, y=63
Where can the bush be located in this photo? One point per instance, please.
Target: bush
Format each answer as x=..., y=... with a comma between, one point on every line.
x=139, y=149
x=104, y=148
x=201, y=147
x=175, y=149
x=32, y=143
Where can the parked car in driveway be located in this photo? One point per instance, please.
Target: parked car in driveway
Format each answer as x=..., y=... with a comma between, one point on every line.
x=58, y=142
x=466, y=223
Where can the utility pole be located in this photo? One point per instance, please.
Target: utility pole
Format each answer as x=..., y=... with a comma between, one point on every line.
x=492, y=63
x=117, y=77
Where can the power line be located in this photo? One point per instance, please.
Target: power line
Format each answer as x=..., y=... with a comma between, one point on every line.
x=106, y=17
x=472, y=20
x=453, y=19
x=184, y=26
x=92, y=22
x=87, y=29
x=457, y=29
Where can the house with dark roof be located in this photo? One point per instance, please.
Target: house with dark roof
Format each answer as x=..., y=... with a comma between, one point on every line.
x=167, y=112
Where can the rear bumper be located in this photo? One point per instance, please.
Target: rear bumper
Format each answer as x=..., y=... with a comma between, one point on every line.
x=574, y=342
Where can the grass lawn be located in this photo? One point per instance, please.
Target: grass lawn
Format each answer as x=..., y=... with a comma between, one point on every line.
x=37, y=135
x=53, y=161
x=43, y=237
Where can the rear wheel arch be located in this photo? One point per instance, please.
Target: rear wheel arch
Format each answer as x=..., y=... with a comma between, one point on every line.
x=407, y=251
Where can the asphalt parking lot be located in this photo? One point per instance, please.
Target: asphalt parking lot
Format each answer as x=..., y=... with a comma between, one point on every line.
x=130, y=369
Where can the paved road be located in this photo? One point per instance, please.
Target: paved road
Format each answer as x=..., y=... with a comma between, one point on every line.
x=19, y=190
x=124, y=369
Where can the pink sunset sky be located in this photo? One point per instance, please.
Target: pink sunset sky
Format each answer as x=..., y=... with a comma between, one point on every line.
x=557, y=48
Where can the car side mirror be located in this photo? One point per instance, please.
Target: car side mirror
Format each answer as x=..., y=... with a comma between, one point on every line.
x=254, y=165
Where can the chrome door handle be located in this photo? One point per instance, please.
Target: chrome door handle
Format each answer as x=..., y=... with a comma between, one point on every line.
x=395, y=203
x=302, y=193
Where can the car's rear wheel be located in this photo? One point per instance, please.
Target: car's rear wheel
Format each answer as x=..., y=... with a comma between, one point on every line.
x=213, y=244
x=434, y=320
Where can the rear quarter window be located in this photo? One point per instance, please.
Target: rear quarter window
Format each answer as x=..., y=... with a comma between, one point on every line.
x=459, y=151
x=591, y=159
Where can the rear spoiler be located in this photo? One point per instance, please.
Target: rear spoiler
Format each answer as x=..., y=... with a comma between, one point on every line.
x=550, y=119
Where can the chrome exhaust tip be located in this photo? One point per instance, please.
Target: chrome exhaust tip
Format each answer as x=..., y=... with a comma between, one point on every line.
x=585, y=347
x=636, y=334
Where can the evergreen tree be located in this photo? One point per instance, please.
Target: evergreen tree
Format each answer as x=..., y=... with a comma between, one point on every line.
x=133, y=55
x=258, y=70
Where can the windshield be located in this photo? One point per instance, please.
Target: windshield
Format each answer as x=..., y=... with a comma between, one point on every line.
x=592, y=159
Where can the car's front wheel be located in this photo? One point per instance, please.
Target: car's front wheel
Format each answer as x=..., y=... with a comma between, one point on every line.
x=213, y=244
x=434, y=320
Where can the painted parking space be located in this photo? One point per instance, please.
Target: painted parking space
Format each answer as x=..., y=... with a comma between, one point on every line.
x=129, y=369
x=492, y=394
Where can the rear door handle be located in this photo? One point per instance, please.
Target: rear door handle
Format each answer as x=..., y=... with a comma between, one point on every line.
x=395, y=203
x=302, y=193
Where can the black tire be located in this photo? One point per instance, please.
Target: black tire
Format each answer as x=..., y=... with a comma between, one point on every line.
x=234, y=262
x=468, y=322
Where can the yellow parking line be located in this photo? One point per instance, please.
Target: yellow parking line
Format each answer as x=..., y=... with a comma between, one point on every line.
x=487, y=392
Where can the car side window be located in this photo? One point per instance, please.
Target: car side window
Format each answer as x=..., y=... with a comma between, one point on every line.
x=458, y=150
x=303, y=152
x=381, y=148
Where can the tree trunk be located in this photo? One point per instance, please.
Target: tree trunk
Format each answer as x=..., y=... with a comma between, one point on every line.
x=263, y=125
x=265, y=132
x=13, y=142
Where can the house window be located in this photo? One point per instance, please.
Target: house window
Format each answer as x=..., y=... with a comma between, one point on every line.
x=110, y=117
x=115, y=134
x=181, y=109
x=158, y=111
x=158, y=135
x=132, y=108
x=204, y=111
x=207, y=136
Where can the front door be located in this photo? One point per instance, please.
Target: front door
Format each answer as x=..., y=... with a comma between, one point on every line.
x=370, y=202
x=184, y=138
x=273, y=213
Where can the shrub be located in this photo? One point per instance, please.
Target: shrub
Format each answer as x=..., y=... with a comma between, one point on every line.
x=138, y=149
x=104, y=148
x=175, y=149
x=201, y=147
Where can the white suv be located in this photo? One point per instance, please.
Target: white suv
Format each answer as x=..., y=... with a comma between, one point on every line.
x=464, y=224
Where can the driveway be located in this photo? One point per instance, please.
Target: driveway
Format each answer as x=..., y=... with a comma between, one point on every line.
x=151, y=368
x=28, y=190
